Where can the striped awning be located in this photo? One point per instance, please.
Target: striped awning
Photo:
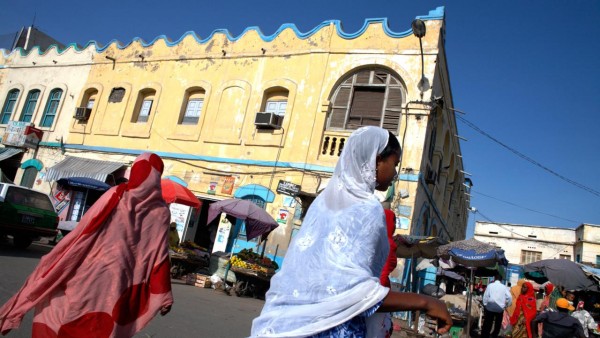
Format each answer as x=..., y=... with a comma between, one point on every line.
x=82, y=167
x=9, y=152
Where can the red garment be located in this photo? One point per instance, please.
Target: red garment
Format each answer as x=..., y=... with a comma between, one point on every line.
x=526, y=304
x=110, y=276
x=392, y=260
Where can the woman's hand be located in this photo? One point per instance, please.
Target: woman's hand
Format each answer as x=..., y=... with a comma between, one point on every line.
x=438, y=310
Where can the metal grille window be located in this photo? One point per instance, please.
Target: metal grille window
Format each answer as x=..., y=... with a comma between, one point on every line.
x=369, y=97
x=9, y=106
x=116, y=95
x=276, y=107
x=30, y=104
x=530, y=256
x=51, y=108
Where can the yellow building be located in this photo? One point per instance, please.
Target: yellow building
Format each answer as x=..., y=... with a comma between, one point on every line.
x=235, y=116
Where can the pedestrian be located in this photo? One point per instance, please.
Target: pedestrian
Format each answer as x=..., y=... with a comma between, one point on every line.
x=496, y=299
x=173, y=235
x=328, y=285
x=110, y=276
x=584, y=317
x=558, y=324
x=515, y=292
x=524, y=313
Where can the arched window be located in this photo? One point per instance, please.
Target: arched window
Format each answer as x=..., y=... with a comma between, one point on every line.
x=9, y=106
x=194, y=102
x=368, y=97
x=144, y=106
x=51, y=108
x=30, y=104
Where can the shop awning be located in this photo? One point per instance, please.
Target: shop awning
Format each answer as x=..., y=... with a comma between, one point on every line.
x=82, y=167
x=9, y=152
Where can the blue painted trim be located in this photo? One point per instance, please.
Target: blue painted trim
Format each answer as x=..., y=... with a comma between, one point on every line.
x=180, y=156
x=409, y=177
x=32, y=162
x=255, y=189
x=176, y=180
x=436, y=14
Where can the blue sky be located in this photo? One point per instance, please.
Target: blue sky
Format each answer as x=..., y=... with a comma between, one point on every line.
x=525, y=73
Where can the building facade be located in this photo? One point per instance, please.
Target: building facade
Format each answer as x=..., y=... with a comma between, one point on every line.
x=238, y=117
x=524, y=244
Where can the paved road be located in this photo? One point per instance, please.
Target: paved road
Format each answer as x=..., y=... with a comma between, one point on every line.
x=196, y=313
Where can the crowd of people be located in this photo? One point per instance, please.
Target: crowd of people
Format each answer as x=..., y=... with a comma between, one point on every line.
x=516, y=312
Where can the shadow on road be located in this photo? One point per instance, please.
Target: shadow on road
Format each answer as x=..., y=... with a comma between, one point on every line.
x=35, y=250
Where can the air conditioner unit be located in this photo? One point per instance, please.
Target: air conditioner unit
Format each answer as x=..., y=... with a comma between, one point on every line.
x=265, y=120
x=82, y=113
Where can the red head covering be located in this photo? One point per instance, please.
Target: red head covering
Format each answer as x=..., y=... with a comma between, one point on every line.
x=549, y=288
x=527, y=305
x=109, y=276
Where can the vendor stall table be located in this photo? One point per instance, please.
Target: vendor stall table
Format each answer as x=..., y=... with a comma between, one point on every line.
x=251, y=282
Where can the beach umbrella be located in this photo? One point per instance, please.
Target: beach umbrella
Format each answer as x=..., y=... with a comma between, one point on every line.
x=84, y=182
x=472, y=253
x=417, y=246
x=258, y=221
x=563, y=272
x=174, y=192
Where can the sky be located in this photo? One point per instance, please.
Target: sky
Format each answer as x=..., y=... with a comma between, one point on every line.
x=524, y=72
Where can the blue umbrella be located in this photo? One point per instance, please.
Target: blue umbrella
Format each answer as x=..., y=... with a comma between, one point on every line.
x=84, y=182
x=473, y=253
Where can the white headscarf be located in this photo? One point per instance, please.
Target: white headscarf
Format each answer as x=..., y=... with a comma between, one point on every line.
x=332, y=267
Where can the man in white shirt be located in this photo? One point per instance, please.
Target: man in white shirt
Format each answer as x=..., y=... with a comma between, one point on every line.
x=495, y=299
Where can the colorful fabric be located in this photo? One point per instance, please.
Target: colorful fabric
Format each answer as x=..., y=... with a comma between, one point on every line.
x=584, y=317
x=392, y=260
x=520, y=328
x=355, y=327
x=110, y=276
x=331, y=269
x=515, y=292
x=526, y=308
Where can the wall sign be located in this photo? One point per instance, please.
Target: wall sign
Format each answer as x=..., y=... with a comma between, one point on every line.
x=288, y=188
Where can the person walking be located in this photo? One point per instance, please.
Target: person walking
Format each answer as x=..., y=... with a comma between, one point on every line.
x=584, y=317
x=558, y=324
x=496, y=298
x=328, y=285
x=524, y=313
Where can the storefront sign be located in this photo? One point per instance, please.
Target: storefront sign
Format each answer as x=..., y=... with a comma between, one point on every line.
x=22, y=134
x=282, y=216
x=288, y=188
x=222, y=234
x=228, y=185
x=179, y=215
x=212, y=187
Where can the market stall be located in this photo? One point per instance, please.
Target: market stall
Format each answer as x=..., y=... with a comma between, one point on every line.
x=253, y=273
x=187, y=258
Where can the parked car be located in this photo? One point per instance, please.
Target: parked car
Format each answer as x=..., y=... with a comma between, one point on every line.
x=26, y=214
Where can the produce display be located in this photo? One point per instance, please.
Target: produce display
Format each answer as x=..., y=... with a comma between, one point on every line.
x=248, y=259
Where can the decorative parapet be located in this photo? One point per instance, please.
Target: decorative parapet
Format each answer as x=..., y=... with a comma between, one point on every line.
x=436, y=14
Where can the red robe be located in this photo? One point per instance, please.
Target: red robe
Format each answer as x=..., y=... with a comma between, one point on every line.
x=526, y=304
x=110, y=276
x=392, y=260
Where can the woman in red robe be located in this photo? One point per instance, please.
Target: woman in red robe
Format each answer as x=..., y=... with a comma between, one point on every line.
x=524, y=313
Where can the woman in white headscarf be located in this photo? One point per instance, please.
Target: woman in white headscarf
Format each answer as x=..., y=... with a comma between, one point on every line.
x=329, y=285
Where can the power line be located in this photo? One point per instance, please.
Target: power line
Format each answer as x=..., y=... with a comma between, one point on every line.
x=522, y=207
x=529, y=159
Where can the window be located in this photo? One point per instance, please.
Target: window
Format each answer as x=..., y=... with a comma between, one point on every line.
x=276, y=107
x=51, y=108
x=530, y=256
x=369, y=97
x=193, y=107
x=143, y=106
x=565, y=257
x=597, y=260
x=30, y=105
x=9, y=106
x=116, y=95
x=90, y=103
x=145, y=111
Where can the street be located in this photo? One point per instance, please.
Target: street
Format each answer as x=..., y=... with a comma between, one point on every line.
x=196, y=312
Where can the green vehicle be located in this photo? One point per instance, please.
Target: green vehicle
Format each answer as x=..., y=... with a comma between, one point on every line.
x=26, y=214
